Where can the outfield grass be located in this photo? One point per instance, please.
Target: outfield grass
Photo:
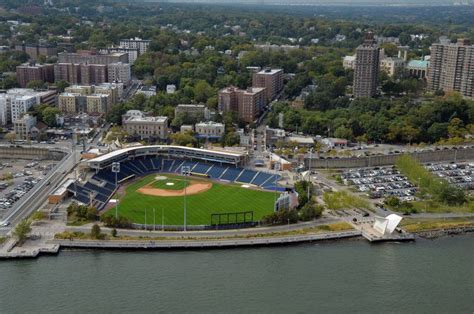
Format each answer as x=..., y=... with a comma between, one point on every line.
x=177, y=184
x=221, y=198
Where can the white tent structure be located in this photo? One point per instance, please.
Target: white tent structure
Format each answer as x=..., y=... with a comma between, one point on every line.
x=386, y=225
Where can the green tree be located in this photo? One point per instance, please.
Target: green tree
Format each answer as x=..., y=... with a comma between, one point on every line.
x=36, y=84
x=61, y=85
x=203, y=91
x=49, y=115
x=21, y=231
x=96, y=232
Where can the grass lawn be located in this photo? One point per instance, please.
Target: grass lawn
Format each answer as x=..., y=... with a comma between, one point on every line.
x=221, y=198
x=417, y=225
x=176, y=184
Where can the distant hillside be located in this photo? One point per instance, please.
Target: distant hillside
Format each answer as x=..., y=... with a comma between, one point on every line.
x=329, y=2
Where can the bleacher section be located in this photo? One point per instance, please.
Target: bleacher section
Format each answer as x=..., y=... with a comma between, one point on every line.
x=216, y=171
x=100, y=189
x=231, y=174
x=200, y=168
x=246, y=176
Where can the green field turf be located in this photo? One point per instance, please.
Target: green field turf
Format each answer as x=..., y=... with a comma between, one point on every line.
x=221, y=198
x=161, y=184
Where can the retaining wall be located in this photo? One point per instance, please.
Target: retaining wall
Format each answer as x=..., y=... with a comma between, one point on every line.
x=447, y=155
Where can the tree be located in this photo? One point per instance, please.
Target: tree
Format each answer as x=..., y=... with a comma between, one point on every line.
x=96, y=232
x=184, y=139
x=11, y=136
x=310, y=211
x=61, y=85
x=202, y=91
x=49, y=115
x=36, y=84
x=21, y=231
x=343, y=132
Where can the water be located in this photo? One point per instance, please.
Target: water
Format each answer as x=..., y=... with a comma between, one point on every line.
x=426, y=276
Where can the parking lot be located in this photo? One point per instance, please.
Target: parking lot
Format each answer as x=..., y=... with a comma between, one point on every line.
x=380, y=182
x=18, y=177
x=460, y=174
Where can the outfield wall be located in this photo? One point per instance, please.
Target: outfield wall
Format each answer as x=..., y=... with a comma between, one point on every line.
x=447, y=155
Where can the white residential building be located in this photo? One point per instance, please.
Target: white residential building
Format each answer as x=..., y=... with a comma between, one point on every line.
x=119, y=72
x=170, y=89
x=136, y=42
x=23, y=126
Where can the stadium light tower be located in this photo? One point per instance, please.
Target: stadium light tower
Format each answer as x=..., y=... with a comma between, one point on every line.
x=277, y=168
x=185, y=171
x=116, y=169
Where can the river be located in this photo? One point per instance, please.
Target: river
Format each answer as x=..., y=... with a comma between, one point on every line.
x=430, y=276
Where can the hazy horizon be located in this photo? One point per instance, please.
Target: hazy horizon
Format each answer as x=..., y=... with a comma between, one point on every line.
x=328, y=2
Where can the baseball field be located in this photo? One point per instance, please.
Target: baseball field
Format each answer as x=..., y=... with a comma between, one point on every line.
x=162, y=197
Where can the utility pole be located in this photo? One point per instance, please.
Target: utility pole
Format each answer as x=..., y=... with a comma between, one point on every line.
x=154, y=220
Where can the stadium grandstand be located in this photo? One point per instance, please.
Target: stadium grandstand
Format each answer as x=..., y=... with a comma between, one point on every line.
x=143, y=160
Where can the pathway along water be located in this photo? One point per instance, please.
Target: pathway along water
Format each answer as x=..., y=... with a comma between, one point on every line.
x=431, y=276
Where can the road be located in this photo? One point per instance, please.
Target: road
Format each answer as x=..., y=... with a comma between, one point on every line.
x=39, y=194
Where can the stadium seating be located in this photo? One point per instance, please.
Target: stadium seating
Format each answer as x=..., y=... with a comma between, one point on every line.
x=231, y=174
x=261, y=178
x=201, y=168
x=216, y=171
x=167, y=165
x=246, y=176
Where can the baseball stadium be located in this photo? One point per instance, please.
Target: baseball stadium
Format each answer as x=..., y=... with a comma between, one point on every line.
x=176, y=186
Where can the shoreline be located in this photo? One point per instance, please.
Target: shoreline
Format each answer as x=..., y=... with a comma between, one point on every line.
x=217, y=244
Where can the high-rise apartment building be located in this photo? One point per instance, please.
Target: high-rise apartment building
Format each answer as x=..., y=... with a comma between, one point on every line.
x=119, y=72
x=366, y=69
x=31, y=72
x=248, y=104
x=452, y=68
x=36, y=50
x=89, y=57
x=271, y=80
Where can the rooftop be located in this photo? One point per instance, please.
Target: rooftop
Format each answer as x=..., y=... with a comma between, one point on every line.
x=418, y=64
x=269, y=71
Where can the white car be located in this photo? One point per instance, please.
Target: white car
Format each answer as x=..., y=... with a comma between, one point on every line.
x=4, y=223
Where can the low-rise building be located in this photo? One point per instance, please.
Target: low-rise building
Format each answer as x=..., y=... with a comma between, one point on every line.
x=348, y=62
x=198, y=112
x=148, y=91
x=209, y=130
x=418, y=68
x=23, y=126
x=136, y=123
x=170, y=89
